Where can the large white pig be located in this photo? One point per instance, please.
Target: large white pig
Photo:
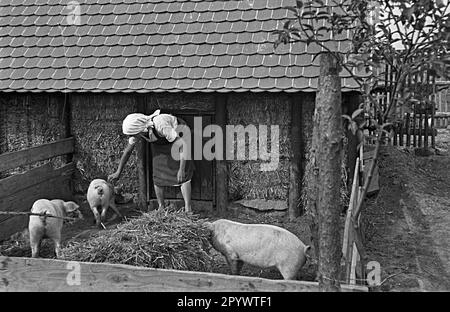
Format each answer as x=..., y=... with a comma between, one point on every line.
x=48, y=227
x=100, y=194
x=261, y=245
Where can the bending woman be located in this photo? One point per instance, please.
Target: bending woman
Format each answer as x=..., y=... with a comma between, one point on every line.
x=160, y=131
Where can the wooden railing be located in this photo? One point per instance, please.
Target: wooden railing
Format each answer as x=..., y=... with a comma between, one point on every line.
x=26, y=274
x=19, y=191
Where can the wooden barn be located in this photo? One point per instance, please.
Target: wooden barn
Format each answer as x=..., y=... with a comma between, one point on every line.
x=74, y=77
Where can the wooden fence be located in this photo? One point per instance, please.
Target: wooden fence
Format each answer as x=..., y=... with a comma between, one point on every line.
x=27, y=274
x=19, y=191
x=416, y=130
x=352, y=247
x=415, y=124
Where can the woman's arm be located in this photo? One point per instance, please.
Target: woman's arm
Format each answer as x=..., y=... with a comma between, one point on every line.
x=179, y=142
x=123, y=160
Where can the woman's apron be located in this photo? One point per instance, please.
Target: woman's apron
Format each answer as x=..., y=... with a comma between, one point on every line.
x=165, y=167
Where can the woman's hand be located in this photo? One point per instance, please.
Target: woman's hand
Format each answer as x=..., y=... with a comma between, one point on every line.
x=180, y=176
x=112, y=178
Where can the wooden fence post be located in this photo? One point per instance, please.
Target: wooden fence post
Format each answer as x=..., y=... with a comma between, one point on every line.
x=67, y=120
x=408, y=130
x=419, y=134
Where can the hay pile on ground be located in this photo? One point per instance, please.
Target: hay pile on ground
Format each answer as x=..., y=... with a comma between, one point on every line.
x=159, y=239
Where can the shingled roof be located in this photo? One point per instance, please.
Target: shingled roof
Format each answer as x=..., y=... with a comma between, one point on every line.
x=153, y=46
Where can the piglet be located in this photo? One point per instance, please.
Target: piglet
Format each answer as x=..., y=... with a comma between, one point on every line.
x=100, y=194
x=261, y=245
x=48, y=227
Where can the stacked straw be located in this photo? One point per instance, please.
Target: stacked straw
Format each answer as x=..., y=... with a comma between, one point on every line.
x=159, y=239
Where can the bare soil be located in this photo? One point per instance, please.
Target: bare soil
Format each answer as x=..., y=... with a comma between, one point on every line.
x=407, y=224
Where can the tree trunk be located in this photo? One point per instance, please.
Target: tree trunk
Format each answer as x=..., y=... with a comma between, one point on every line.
x=329, y=159
x=311, y=182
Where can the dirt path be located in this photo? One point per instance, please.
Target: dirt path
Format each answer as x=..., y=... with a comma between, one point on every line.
x=408, y=223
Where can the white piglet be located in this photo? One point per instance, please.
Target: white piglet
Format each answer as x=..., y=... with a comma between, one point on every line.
x=261, y=245
x=47, y=227
x=100, y=194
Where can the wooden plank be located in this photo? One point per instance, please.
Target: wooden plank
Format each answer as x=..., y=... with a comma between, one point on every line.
x=221, y=165
x=395, y=135
x=295, y=164
x=58, y=187
x=30, y=155
x=12, y=225
x=17, y=182
x=433, y=109
x=362, y=256
x=55, y=186
x=196, y=104
x=347, y=246
x=408, y=116
x=205, y=167
x=348, y=255
x=414, y=129
x=408, y=129
x=353, y=265
x=43, y=275
x=374, y=183
x=197, y=178
x=353, y=200
x=419, y=136
x=425, y=123
x=67, y=118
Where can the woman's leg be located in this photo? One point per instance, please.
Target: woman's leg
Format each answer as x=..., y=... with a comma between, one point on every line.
x=159, y=191
x=186, y=192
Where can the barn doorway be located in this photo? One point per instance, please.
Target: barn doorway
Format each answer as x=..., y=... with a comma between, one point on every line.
x=203, y=180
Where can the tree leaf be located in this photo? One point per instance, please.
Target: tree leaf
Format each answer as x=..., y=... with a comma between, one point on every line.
x=357, y=112
x=292, y=9
x=286, y=24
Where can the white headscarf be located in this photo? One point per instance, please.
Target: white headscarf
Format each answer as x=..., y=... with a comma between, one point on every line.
x=137, y=123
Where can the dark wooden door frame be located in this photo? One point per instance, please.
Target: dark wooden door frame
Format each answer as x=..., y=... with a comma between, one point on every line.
x=143, y=107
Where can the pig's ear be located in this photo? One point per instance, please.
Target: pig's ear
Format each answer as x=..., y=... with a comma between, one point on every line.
x=208, y=225
x=71, y=206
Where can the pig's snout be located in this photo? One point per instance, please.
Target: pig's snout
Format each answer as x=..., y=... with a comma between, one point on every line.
x=208, y=225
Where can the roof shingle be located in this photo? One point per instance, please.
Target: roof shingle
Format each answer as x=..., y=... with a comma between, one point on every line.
x=154, y=46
